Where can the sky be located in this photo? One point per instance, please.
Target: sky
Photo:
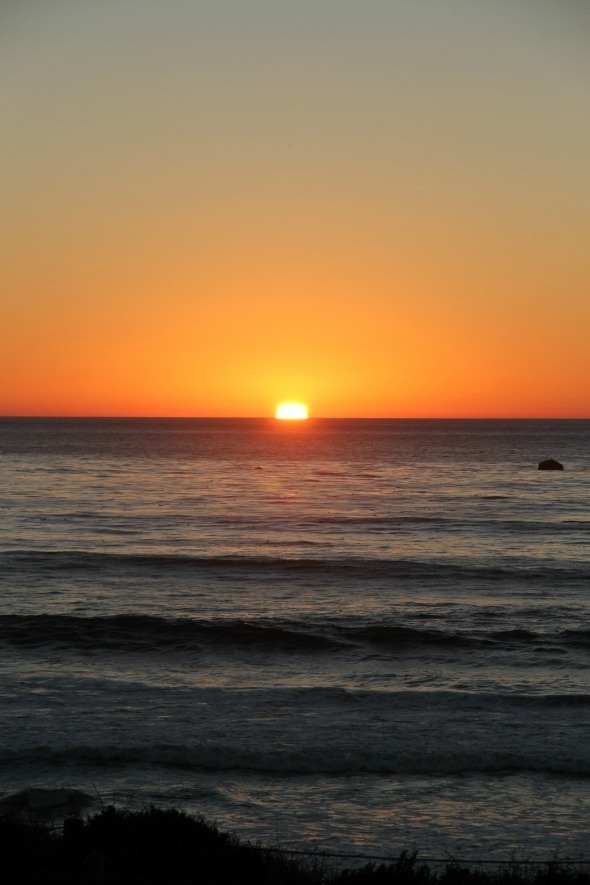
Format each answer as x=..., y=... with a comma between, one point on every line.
x=377, y=208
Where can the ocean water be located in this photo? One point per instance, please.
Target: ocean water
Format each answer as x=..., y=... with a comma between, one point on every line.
x=363, y=636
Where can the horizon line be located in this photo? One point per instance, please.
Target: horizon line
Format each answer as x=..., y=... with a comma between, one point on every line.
x=46, y=417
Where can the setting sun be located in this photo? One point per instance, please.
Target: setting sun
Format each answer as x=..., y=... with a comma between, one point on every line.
x=291, y=411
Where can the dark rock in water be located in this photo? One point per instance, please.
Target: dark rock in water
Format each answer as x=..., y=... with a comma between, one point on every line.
x=550, y=464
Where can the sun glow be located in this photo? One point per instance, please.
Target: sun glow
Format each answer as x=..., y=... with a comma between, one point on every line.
x=291, y=412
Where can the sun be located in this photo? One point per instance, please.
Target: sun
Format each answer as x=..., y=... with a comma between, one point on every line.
x=291, y=412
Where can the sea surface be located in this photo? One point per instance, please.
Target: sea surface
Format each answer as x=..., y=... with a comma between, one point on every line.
x=362, y=636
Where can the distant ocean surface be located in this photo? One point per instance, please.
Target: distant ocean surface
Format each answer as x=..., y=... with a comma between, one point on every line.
x=362, y=635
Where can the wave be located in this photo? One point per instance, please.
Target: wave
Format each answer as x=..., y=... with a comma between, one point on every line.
x=399, y=636
x=310, y=760
x=145, y=633
x=396, y=636
x=16, y=561
x=150, y=634
x=378, y=522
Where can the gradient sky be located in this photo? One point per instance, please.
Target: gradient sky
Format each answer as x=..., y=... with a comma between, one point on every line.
x=380, y=208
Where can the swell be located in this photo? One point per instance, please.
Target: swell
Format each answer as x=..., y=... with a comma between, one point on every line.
x=42, y=561
x=144, y=633
x=383, y=523
x=311, y=760
x=148, y=634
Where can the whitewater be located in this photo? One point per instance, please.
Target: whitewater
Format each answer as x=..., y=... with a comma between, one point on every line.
x=363, y=636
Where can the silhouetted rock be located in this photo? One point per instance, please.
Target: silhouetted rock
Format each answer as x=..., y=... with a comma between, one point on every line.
x=37, y=803
x=550, y=464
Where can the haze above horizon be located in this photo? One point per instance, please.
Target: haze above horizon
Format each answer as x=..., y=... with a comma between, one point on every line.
x=381, y=209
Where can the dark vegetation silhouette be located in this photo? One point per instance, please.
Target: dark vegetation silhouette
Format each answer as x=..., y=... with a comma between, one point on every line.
x=167, y=847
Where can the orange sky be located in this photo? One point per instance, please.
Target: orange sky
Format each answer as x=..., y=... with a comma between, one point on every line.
x=378, y=208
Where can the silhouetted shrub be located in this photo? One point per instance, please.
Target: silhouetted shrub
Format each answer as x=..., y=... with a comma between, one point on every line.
x=167, y=847
x=405, y=871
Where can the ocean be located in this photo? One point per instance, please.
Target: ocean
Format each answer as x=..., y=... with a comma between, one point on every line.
x=358, y=636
